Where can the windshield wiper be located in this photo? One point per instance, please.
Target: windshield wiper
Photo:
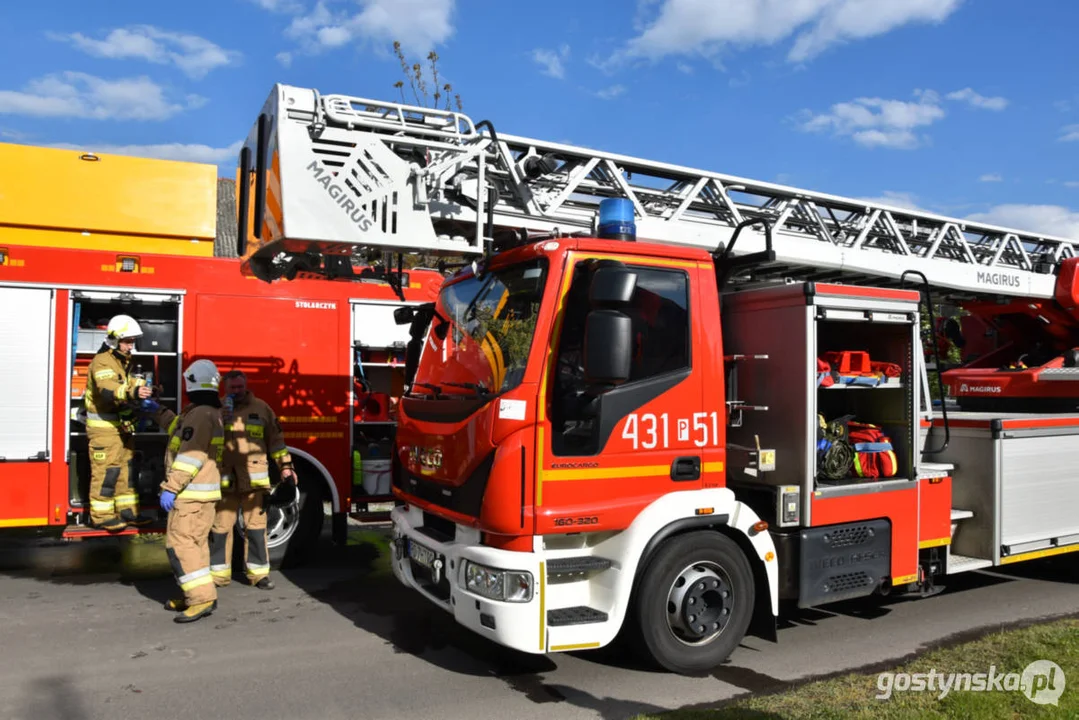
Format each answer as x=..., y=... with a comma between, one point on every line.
x=478, y=388
x=436, y=388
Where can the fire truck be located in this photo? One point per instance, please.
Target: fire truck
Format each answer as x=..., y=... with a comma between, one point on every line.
x=85, y=236
x=660, y=401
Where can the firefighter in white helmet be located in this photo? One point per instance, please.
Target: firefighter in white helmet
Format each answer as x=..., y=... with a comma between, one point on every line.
x=111, y=394
x=192, y=487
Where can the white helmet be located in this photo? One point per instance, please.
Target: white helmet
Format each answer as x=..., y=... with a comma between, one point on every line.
x=122, y=327
x=201, y=375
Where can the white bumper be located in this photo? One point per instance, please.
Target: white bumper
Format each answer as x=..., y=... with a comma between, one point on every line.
x=518, y=625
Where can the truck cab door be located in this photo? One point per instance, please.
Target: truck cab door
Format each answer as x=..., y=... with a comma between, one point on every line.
x=608, y=449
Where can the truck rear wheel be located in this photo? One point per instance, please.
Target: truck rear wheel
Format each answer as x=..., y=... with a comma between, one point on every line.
x=694, y=602
x=292, y=533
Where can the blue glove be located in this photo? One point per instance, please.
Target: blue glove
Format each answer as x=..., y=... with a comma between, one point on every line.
x=167, y=499
x=149, y=405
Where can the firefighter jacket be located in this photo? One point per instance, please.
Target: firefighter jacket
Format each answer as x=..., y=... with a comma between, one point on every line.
x=193, y=455
x=252, y=436
x=110, y=392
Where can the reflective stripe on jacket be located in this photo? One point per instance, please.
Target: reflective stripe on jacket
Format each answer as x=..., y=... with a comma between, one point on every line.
x=108, y=392
x=193, y=455
x=252, y=437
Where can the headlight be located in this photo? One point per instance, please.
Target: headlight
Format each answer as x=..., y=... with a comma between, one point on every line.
x=506, y=585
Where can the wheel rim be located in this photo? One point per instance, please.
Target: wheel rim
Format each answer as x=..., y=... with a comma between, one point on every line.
x=700, y=603
x=281, y=524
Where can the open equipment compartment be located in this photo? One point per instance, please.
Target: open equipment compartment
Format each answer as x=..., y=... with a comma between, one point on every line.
x=158, y=356
x=780, y=331
x=378, y=364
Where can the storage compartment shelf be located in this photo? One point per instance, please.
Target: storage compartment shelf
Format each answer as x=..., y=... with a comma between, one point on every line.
x=888, y=385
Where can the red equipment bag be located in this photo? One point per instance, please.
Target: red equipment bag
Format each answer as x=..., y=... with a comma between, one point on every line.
x=826, y=376
x=873, y=453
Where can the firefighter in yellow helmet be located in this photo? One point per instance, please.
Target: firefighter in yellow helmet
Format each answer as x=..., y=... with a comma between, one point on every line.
x=192, y=488
x=252, y=437
x=111, y=394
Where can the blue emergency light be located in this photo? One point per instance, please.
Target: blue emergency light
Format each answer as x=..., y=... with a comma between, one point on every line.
x=616, y=219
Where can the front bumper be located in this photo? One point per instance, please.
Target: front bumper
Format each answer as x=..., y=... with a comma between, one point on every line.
x=518, y=625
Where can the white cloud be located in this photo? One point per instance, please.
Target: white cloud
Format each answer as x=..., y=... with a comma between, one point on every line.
x=877, y=122
x=1071, y=183
x=283, y=6
x=683, y=67
x=1069, y=133
x=75, y=94
x=418, y=24
x=881, y=122
x=979, y=101
x=194, y=55
x=552, y=61
x=611, y=93
x=285, y=58
x=687, y=27
x=893, y=198
x=1048, y=219
x=991, y=177
x=193, y=152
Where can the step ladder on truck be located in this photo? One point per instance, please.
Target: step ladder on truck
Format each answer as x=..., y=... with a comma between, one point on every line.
x=661, y=400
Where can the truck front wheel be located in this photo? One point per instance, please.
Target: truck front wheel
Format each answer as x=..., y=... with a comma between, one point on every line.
x=694, y=602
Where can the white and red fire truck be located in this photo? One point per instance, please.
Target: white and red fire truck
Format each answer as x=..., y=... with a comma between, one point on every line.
x=662, y=400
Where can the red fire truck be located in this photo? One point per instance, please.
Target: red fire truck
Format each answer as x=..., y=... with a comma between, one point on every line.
x=84, y=237
x=662, y=400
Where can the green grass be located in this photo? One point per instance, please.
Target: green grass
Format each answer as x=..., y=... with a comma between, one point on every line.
x=854, y=695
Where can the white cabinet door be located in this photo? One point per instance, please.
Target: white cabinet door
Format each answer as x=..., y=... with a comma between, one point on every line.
x=26, y=327
x=373, y=326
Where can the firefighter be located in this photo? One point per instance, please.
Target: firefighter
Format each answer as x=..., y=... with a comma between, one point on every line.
x=110, y=427
x=192, y=488
x=252, y=437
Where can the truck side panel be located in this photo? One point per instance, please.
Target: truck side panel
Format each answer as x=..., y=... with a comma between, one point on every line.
x=295, y=354
x=26, y=336
x=899, y=506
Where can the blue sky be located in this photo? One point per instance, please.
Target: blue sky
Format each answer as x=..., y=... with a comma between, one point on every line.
x=960, y=107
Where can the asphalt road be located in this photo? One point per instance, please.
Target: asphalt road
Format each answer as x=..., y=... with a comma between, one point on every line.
x=83, y=636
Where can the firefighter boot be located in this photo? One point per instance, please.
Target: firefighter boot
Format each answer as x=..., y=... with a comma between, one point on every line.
x=106, y=451
x=178, y=603
x=196, y=612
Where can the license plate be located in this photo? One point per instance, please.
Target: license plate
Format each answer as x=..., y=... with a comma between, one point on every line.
x=422, y=555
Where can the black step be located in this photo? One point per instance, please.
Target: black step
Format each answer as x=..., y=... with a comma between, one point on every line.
x=579, y=615
x=584, y=563
x=85, y=531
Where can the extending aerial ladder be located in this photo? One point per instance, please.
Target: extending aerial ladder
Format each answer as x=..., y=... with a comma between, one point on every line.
x=333, y=176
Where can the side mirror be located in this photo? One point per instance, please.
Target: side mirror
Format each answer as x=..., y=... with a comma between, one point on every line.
x=608, y=347
x=403, y=315
x=612, y=287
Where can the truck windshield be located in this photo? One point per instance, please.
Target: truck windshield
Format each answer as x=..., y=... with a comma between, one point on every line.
x=482, y=332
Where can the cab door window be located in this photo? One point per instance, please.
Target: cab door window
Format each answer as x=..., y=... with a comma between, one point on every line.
x=659, y=311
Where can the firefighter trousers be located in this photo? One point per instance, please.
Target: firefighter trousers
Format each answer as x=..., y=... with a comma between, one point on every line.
x=256, y=553
x=113, y=500
x=187, y=546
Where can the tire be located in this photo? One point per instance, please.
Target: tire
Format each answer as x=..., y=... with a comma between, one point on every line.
x=673, y=579
x=292, y=536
